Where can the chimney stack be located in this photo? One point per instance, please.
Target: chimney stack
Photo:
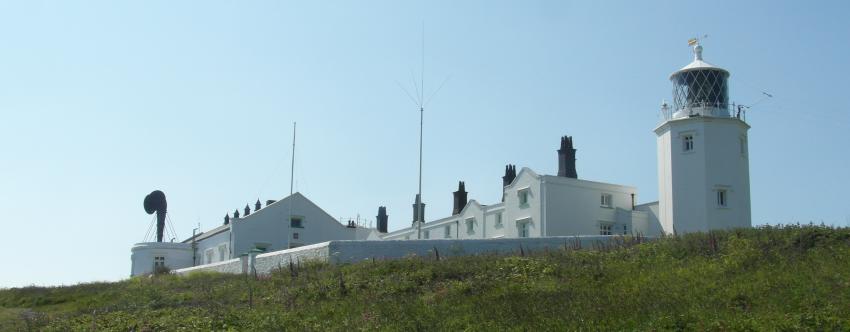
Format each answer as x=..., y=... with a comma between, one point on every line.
x=418, y=212
x=567, y=158
x=460, y=198
x=510, y=175
x=382, y=219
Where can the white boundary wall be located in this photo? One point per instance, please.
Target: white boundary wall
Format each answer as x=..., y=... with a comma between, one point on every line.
x=341, y=252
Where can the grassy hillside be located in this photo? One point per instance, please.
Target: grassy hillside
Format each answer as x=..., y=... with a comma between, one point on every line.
x=788, y=278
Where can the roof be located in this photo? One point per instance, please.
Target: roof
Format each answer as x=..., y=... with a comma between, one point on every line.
x=698, y=64
x=208, y=233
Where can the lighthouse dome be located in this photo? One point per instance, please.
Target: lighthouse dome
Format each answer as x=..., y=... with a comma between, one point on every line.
x=700, y=88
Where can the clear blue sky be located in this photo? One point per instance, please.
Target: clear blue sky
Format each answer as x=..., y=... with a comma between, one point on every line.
x=103, y=102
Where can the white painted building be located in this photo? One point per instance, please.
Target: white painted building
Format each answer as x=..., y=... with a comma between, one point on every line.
x=703, y=176
x=264, y=230
x=541, y=206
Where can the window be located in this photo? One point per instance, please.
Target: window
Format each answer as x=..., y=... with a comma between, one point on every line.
x=407, y=237
x=222, y=252
x=498, y=219
x=295, y=235
x=605, y=229
x=523, y=197
x=625, y=229
x=743, y=142
x=427, y=234
x=605, y=200
x=522, y=228
x=448, y=231
x=688, y=142
x=470, y=225
x=297, y=222
x=158, y=263
x=722, y=198
x=209, y=255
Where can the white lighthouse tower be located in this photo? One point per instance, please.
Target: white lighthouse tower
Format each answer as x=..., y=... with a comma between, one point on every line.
x=703, y=167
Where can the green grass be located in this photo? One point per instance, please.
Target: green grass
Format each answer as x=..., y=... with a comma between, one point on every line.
x=794, y=278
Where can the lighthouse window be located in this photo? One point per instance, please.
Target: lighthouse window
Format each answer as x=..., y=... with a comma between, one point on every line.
x=743, y=142
x=688, y=143
x=722, y=198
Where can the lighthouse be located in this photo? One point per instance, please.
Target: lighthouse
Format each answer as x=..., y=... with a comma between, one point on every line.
x=703, y=167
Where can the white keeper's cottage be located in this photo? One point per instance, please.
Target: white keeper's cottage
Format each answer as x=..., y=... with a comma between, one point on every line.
x=703, y=180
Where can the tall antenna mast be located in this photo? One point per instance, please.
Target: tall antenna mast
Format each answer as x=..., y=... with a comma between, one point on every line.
x=291, y=182
x=419, y=210
x=420, y=101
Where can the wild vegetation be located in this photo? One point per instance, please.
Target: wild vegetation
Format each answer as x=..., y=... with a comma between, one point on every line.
x=794, y=278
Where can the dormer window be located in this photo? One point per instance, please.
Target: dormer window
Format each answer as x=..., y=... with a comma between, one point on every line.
x=522, y=195
x=605, y=200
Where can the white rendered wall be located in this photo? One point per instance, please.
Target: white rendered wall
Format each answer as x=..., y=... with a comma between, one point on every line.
x=645, y=220
x=556, y=206
x=341, y=252
x=492, y=230
x=573, y=206
x=212, y=242
x=516, y=213
x=269, y=227
x=177, y=255
x=689, y=180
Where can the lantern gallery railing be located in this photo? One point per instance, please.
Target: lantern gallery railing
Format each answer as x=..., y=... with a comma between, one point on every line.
x=704, y=109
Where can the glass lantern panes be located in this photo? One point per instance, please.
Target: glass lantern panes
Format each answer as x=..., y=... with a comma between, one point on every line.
x=700, y=88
